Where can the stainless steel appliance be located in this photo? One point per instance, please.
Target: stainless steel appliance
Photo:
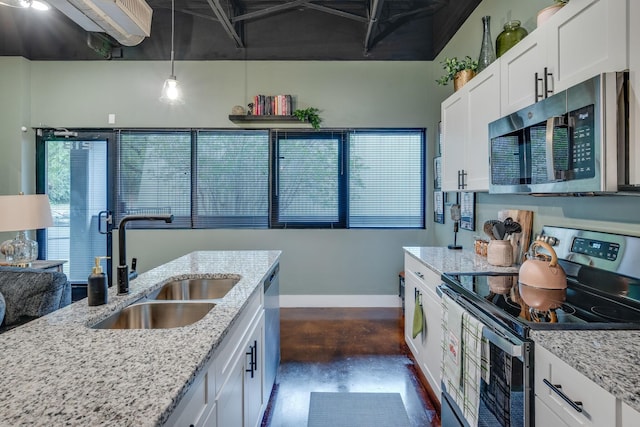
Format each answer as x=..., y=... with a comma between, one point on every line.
x=567, y=143
x=271, y=328
x=603, y=292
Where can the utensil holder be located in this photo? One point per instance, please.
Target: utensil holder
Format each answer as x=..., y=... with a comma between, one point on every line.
x=500, y=253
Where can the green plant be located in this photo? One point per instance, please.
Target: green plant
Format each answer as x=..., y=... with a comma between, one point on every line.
x=453, y=65
x=309, y=115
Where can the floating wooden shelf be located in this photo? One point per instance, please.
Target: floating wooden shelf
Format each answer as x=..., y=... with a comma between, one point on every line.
x=252, y=118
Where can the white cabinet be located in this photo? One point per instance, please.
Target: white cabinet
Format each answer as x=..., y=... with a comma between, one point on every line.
x=229, y=391
x=585, y=38
x=574, y=399
x=426, y=347
x=465, y=137
x=254, y=400
x=629, y=417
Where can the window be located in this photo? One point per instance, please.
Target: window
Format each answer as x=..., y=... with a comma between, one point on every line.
x=309, y=180
x=232, y=179
x=386, y=179
x=277, y=179
x=154, y=176
x=382, y=187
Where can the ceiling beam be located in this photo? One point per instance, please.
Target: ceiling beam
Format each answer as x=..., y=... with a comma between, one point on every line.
x=269, y=10
x=336, y=12
x=226, y=23
x=374, y=16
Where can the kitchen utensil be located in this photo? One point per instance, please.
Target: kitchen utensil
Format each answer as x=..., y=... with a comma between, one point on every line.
x=488, y=229
x=542, y=273
x=499, y=230
x=511, y=227
x=519, y=241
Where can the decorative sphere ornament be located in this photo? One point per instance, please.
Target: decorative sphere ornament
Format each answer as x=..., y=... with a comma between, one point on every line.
x=237, y=110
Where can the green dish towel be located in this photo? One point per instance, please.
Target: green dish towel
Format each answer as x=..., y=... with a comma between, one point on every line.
x=418, y=320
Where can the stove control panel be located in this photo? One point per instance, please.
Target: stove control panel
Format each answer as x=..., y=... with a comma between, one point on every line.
x=595, y=248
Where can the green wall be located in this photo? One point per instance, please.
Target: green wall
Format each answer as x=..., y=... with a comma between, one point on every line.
x=349, y=94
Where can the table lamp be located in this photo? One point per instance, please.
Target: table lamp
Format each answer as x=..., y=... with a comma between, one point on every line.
x=22, y=213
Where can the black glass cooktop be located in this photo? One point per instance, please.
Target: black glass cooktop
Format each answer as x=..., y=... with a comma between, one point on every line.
x=577, y=307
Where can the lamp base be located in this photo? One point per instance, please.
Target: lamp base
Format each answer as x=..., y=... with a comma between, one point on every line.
x=454, y=247
x=20, y=251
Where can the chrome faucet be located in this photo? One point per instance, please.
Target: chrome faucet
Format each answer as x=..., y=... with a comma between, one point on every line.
x=123, y=269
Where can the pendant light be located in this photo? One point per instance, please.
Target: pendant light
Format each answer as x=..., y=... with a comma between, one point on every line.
x=171, y=92
x=23, y=4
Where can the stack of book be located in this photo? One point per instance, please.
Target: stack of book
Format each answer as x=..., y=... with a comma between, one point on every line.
x=272, y=105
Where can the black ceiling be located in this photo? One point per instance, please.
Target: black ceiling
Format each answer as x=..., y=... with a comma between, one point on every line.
x=258, y=30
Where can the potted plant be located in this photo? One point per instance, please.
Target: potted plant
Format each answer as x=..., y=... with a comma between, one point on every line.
x=309, y=115
x=458, y=70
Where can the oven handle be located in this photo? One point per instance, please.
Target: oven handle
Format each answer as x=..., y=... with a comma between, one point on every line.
x=492, y=334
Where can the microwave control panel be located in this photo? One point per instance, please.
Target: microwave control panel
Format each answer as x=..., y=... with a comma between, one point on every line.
x=582, y=156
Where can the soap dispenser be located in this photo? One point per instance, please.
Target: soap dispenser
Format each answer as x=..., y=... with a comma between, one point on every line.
x=97, y=284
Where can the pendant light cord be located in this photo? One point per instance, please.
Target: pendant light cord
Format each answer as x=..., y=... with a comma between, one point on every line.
x=173, y=11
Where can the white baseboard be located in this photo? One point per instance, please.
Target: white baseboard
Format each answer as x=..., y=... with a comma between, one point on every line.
x=291, y=301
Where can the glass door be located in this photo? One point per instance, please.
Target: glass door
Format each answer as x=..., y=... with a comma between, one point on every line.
x=73, y=169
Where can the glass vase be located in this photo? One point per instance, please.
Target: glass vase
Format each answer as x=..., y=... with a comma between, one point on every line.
x=487, y=54
x=509, y=37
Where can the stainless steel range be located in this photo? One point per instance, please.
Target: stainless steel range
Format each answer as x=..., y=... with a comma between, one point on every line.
x=603, y=292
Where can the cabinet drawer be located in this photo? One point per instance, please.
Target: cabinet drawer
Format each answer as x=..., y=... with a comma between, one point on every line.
x=422, y=273
x=598, y=407
x=194, y=406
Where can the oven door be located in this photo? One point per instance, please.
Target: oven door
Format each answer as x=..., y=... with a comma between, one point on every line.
x=506, y=394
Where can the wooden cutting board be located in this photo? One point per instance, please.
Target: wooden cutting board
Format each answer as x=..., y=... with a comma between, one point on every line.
x=519, y=241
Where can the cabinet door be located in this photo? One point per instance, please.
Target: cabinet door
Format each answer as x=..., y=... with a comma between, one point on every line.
x=517, y=70
x=629, y=417
x=432, y=342
x=254, y=376
x=454, y=125
x=483, y=107
x=229, y=402
x=590, y=41
x=409, y=307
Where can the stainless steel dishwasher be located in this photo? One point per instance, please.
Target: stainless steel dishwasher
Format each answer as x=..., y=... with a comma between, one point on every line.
x=271, y=328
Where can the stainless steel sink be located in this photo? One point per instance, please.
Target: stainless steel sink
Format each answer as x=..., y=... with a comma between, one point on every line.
x=196, y=289
x=156, y=315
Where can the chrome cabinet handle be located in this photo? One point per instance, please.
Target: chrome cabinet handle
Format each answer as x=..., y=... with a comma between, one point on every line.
x=576, y=405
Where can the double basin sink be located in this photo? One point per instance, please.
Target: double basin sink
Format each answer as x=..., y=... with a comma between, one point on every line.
x=177, y=303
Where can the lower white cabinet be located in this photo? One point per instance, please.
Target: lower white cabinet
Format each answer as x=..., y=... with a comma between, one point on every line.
x=566, y=397
x=629, y=417
x=229, y=391
x=426, y=348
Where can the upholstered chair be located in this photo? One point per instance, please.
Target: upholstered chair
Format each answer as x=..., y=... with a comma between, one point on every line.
x=26, y=294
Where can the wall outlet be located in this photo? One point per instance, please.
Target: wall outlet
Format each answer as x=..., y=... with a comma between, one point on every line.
x=112, y=119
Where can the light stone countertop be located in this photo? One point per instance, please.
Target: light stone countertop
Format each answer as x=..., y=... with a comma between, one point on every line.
x=58, y=371
x=444, y=260
x=609, y=358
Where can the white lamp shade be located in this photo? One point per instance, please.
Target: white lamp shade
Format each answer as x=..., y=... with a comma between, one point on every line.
x=25, y=212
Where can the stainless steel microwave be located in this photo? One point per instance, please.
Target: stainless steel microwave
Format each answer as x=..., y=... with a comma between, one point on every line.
x=566, y=143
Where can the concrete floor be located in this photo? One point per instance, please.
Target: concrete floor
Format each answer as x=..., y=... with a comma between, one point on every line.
x=344, y=350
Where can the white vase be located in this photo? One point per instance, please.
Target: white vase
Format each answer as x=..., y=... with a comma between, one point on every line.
x=548, y=12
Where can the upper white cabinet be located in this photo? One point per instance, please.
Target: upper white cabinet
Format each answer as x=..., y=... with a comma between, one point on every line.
x=585, y=38
x=465, y=147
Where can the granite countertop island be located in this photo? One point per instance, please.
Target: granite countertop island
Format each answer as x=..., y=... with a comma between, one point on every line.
x=609, y=358
x=56, y=370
